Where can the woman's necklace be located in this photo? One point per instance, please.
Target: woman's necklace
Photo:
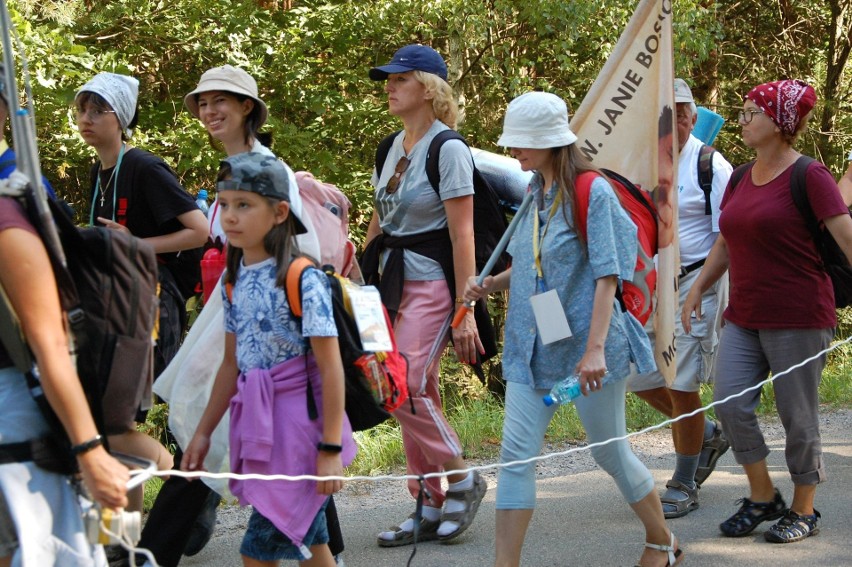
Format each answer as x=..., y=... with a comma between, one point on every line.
x=107, y=184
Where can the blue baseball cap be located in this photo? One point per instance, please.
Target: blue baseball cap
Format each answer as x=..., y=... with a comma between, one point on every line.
x=413, y=57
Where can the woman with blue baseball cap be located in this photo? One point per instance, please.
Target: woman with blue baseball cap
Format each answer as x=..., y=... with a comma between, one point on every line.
x=410, y=215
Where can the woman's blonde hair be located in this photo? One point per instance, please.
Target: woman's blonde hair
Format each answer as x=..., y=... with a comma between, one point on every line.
x=444, y=103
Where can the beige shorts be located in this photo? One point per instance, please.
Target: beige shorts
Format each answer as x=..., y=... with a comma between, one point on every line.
x=696, y=350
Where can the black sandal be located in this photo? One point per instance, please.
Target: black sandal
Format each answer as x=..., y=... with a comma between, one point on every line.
x=751, y=514
x=793, y=527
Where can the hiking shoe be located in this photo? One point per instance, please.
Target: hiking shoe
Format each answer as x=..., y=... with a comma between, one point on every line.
x=751, y=514
x=677, y=507
x=711, y=450
x=793, y=527
x=471, y=498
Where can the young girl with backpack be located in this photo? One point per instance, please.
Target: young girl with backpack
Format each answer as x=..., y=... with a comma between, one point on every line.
x=281, y=378
x=572, y=277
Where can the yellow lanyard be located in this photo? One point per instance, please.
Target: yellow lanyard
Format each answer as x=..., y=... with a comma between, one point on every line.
x=536, y=241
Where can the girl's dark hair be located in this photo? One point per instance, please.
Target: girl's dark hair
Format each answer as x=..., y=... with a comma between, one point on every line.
x=279, y=243
x=568, y=163
x=251, y=124
x=96, y=101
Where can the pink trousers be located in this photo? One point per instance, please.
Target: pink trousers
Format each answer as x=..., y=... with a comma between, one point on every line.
x=422, y=333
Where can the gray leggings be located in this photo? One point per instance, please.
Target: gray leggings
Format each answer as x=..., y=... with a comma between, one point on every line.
x=746, y=356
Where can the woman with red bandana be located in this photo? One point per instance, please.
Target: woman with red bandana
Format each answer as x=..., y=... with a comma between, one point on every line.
x=781, y=308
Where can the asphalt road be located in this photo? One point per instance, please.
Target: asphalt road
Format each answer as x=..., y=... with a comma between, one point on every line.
x=582, y=520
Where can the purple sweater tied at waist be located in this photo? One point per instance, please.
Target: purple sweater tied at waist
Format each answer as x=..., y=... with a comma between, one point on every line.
x=271, y=433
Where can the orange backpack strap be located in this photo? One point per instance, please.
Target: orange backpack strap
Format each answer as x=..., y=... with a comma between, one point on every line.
x=229, y=292
x=583, y=191
x=293, y=283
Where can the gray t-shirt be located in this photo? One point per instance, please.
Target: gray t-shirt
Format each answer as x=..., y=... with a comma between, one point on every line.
x=415, y=208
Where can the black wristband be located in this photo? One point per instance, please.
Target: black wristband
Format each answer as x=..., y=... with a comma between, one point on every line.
x=329, y=448
x=87, y=446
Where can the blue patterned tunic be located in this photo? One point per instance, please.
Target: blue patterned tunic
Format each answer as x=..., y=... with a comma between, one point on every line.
x=571, y=269
x=266, y=331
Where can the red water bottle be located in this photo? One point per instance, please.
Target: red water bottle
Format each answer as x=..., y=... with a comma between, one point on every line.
x=212, y=266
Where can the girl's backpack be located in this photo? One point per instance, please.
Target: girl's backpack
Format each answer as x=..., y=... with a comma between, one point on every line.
x=376, y=382
x=636, y=296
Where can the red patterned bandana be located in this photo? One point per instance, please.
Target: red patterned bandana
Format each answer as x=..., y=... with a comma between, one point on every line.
x=785, y=102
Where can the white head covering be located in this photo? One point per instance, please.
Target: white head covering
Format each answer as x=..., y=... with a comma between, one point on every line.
x=536, y=120
x=120, y=91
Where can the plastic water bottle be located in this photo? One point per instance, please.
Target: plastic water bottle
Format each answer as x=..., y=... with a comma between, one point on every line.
x=567, y=390
x=201, y=201
x=212, y=266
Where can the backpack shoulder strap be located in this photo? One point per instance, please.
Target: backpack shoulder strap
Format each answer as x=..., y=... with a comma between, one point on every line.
x=582, y=194
x=432, y=164
x=293, y=283
x=738, y=174
x=382, y=151
x=705, y=174
x=798, y=186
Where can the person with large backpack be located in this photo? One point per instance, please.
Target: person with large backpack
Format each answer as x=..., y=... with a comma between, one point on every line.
x=564, y=278
x=135, y=192
x=424, y=242
x=41, y=520
x=781, y=310
x=702, y=177
x=274, y=365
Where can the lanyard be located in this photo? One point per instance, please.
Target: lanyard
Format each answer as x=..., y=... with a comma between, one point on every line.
x=98, y=190
x=536, y=240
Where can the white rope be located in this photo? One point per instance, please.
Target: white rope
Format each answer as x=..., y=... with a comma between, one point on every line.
x=203, y=474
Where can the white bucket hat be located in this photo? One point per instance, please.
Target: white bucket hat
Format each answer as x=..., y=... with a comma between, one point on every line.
x=536, y=120
x=229, y=79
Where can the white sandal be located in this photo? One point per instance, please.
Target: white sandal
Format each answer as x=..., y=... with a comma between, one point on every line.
x=675, y=555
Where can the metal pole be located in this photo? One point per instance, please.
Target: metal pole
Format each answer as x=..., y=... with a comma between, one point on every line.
x=23, y=135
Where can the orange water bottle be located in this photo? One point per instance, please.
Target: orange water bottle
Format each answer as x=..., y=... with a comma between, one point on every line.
x=212, y=266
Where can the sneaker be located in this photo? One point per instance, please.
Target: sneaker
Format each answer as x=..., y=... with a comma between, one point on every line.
x=751, y=514
x=793, y=527
x=711, y=450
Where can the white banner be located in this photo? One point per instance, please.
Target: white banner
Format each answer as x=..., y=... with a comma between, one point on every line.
x=626, y=124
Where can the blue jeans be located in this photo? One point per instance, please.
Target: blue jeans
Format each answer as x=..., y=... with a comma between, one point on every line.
x=264, y=542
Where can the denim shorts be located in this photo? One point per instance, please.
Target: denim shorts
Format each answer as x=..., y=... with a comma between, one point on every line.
x=264, y=542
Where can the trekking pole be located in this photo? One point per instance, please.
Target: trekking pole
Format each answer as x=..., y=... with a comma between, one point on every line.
x=498, y=250
x=23, y=133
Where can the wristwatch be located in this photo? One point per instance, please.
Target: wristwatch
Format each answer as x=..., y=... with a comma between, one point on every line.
x=329, y=447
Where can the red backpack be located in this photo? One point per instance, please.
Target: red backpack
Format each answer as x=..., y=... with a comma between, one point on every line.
x=636, y=296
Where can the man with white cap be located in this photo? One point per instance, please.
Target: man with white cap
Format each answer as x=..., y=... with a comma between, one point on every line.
x=698, y=441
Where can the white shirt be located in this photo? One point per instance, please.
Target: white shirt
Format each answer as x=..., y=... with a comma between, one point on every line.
x=697, y=231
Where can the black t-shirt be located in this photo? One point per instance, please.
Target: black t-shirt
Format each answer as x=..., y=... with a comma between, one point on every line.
x=148, y=191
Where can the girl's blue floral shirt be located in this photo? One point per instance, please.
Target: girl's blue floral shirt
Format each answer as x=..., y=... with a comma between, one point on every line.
x=267, y=333
x=571, y=268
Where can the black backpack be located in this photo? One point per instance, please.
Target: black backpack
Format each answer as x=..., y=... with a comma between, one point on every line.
x=834, y=261
x=489, y=219
x=705, y=174
x=109, y=294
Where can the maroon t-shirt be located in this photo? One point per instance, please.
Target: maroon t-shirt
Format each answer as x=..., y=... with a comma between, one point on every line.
x=11, y=216
x=777, y=279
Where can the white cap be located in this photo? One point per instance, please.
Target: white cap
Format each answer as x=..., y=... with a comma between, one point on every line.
x=536, y=120
x=682, y=91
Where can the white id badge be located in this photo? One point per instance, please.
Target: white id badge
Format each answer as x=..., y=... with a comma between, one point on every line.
x=370, y=318
x=550, y=317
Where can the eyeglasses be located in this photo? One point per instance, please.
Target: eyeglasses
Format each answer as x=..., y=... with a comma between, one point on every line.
x=746, y=116
x=393, y=182
x=93, y=113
